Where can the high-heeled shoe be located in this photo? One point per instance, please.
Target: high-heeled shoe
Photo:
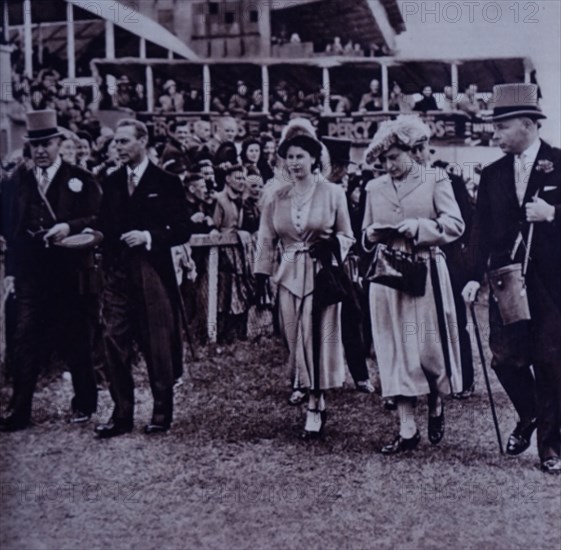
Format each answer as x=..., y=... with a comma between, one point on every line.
x=400, y=444
x=436, y=423
x=313, y=434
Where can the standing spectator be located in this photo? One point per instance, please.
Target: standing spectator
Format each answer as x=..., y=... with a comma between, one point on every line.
x=412, y=210
x=309, y=218
x=177, y=143
x=267, y=160
x=84, y=150
x=172, y=100
x=372, y=100
x=51, y=201
x=68, y=150
x=142, y=216
x=520, y=189
x=252, y=200
x=250, y=153
x=198, y=140
x=227, y=130
x=427, y=103
x=139, y=101
x=234, y=292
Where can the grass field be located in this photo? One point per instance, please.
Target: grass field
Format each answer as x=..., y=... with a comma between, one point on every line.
x=233, y=474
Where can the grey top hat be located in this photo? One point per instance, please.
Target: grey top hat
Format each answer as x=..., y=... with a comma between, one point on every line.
x=515, y=100
x=42, y=125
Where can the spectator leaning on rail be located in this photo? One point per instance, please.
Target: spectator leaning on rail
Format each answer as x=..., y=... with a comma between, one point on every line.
x=413, y=210
x=519, y=194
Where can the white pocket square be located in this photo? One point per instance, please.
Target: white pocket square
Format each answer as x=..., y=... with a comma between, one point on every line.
x=549, y=188
x=152, y=195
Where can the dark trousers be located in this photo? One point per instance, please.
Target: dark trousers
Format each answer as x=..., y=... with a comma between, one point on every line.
x=352, y=334
x=52, y=315
x=137, y=305
x=536, y=343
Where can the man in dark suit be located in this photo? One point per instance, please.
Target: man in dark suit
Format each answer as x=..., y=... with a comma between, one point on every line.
x=523, y=188
x=51, y=201
x=142, y=216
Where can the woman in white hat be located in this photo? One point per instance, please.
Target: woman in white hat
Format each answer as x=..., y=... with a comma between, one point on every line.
x=413, y=210
x=308, y=217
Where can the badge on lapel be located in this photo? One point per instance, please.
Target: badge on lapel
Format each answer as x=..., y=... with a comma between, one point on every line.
x=76, y=185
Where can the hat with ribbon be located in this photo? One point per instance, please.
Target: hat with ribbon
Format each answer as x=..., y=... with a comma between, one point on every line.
x=515, y=100
x=42, y=125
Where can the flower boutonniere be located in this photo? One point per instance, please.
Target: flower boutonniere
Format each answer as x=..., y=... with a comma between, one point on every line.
x=76, y=185
x=545, y=166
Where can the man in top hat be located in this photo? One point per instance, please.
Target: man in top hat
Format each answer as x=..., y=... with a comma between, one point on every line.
x=54, y=303
x=142, y=217
x=523, y=188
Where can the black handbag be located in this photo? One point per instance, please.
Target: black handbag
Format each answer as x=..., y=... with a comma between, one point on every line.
x=398, y=269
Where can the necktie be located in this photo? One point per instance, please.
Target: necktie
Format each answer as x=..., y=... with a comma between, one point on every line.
x=522, y=173
x=44, y=182
x=131, y=183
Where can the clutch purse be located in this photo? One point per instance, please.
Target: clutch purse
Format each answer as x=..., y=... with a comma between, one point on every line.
x=398, y=269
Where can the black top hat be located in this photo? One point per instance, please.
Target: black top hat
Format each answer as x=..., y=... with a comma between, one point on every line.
x=42, y=125
x=515, y=100
x=339, y=150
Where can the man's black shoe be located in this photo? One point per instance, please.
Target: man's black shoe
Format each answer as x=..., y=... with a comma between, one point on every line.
x=521, y=437
x=13, y=424
x=551, y=465
x=111, y=429
x=151, y=429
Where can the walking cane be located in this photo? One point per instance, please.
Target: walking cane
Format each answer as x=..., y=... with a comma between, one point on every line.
x=486, y=375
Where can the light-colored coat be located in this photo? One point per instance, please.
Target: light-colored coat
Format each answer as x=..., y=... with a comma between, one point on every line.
x=294, y=273
x=405, y=328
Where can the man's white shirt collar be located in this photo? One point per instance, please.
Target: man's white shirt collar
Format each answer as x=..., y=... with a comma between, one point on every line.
x=529, y=155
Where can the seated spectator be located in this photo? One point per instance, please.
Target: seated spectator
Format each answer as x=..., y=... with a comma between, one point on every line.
x=295, y=38
x=172, y=100
x=372, y=100
x=427, y=103
x=280, y=101
x=139, y=101
x=45, y=91
x=337, y=47
x=193, y=101
x=315, y=102
x=397, y=100
x=124, y=94
x=469, y=103
x=219, y=102
x=344, y=103
x=348, y=48
x=256, y=105
x=448, y=105
x=240, y=101
x=357, y=50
